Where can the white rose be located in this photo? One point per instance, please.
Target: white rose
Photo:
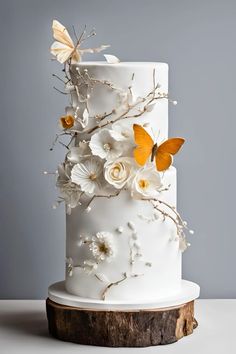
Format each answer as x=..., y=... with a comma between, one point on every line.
x=118, y=172
x=146, y=183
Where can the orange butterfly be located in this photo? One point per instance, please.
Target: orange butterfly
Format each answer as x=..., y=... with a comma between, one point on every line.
x=146, y=147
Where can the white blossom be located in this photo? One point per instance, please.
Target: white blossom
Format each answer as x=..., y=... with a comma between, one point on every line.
x=69, y=191
x=102, y=246
x=90, y=266
x=69, y=266
x=78, y=153
x=106, y=144
x=87, y=174
x=146, y=183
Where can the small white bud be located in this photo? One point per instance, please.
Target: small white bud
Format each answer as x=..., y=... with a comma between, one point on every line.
x=120, y=229
x=45, y=172
x=131, y=225
x=175, y=103
x=191, y=232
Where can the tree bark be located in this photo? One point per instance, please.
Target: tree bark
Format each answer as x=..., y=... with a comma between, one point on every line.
x=135, y=328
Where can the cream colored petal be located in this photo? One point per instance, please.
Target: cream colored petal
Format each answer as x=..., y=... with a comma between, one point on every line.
x=61, y=34
x=61, y=51
x=111, y=59
x=94, y=50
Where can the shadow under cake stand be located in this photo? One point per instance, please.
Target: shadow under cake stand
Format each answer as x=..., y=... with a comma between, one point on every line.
x=121, y=324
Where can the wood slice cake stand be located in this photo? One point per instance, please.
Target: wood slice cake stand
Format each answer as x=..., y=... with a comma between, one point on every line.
x=113, y=324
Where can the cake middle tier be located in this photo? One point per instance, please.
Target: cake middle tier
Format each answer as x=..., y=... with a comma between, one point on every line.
x=109, y=91
x=124, y=249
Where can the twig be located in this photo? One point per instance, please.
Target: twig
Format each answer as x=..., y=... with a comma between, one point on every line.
x=103, y=196
x=103, y=296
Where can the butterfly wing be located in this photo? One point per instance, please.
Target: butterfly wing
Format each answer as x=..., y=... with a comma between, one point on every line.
x=165, y=151
x=63, y=48
x=61, y=34
x=61, y=51
x=144, y=144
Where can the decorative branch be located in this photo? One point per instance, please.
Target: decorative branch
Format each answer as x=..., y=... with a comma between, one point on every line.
x=103, y=295
x=103, y=196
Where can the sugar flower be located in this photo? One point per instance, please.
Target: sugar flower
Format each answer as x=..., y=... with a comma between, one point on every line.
x=126, y=130
x=69, y=266
x=69, y=191
x=90, y=266
x=78, y=153
x=102, y=246
x=67, y=121
x=119, y=172
x=106, y=144
x=87, y=174
x=146, y=183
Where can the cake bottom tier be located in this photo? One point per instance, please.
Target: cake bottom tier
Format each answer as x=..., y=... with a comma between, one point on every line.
x=141, y=261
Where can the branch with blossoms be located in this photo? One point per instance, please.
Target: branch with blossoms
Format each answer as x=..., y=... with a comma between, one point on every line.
x=173, y=215
x=146, y=101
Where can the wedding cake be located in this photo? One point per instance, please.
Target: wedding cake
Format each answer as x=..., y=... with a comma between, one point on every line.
x=124, y=235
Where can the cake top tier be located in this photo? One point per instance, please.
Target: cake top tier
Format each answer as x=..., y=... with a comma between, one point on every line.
x=132, y=64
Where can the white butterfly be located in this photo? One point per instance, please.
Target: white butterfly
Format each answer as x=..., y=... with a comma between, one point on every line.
x=63, y=48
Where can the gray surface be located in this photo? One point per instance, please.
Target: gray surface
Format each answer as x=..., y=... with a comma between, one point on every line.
x=23, y=329
x=197, y=39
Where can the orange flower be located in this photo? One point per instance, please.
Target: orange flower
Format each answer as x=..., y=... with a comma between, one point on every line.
x=67, y=122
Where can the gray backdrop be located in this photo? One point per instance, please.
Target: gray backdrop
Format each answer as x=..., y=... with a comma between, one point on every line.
x=197, y=39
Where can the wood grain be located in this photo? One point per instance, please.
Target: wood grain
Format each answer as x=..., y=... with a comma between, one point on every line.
x=140, y=328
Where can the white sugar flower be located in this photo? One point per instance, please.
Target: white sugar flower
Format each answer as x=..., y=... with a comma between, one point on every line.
x=146, y=183
x=69, y=191
x=87, y=174
x=69, y=266
x=77, y=153
x=119, y=172
x=90, y=266
x=106, y=144
x=126, y=130
x=102, y=246
x=125, y=99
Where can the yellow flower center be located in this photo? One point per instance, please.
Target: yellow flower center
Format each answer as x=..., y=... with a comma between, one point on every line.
x=116, y=172
x=103, y=248
x=143, y=183
x=93, y=176
x=107, y=147
x=67, y=122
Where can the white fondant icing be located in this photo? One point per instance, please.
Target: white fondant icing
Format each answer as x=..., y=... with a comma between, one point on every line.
x=146, y=267
x=162, y=279
x=104, y=99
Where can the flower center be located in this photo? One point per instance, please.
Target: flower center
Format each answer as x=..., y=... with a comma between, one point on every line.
x=103, y=248
x=107, y=147
x=116, y=172
x=143, y=183
x=93, y=176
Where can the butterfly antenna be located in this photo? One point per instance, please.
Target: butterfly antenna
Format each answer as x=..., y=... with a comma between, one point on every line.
x=75, y=34
x=81, y=37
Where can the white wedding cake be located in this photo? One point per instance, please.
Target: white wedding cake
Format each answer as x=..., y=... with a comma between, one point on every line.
x=124, y=235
